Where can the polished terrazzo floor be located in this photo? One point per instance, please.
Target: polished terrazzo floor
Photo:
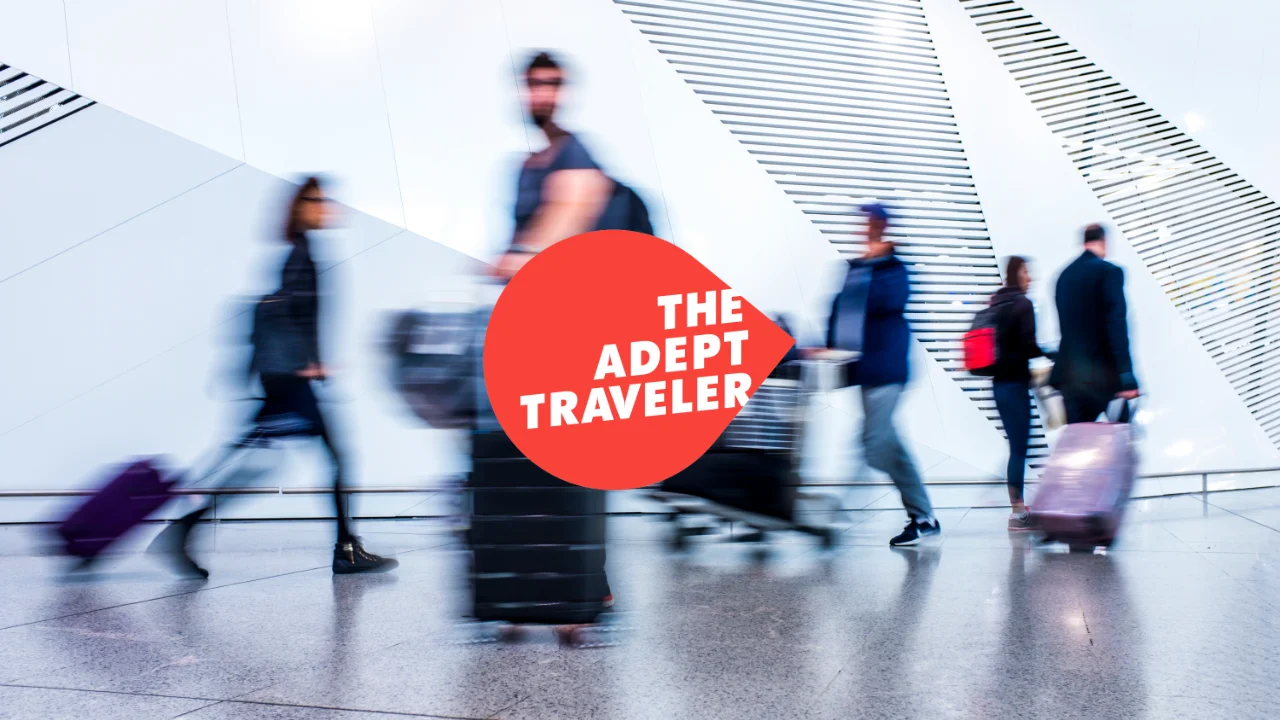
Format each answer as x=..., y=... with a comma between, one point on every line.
x=1180, y=620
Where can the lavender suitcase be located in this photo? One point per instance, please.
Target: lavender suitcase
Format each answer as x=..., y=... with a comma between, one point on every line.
x=1084, y=489
x=128, y=499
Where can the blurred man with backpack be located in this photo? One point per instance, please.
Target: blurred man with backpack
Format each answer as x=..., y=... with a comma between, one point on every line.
x=562, y=191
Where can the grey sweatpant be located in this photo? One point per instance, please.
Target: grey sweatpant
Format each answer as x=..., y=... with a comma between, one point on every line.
x=885, y=451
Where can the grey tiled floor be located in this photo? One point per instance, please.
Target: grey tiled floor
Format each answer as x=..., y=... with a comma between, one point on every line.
x=1179, y=620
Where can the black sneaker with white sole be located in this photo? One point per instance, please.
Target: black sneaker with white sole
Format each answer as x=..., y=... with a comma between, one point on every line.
x=915, y=531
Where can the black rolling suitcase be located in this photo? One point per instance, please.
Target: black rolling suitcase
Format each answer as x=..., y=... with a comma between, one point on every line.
x=750, y=475
x=751, y=467
x=537, y=542
x=758, y=482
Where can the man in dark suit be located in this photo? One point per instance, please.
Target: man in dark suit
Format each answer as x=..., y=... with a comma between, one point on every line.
x=1093, y=366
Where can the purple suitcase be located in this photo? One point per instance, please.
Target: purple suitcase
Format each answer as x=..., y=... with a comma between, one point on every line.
x=1084, y=489
x=128, y=499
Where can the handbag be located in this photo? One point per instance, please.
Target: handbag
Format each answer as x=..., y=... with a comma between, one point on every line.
x=1053, y=409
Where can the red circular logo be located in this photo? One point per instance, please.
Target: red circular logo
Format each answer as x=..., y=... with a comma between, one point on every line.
x=614, y=359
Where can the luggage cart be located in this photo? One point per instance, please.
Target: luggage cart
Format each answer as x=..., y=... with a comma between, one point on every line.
x=751, y=474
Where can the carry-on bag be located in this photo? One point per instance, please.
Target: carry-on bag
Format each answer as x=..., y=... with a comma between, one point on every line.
x=434, y=356
x=1086, y=485
x=132, y=495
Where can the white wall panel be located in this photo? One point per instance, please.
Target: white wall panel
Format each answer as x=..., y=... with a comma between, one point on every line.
x=456, y=118
x=1036, y=204
x=126, y=363
x=33, y=37
x=168, y=63
x=82, y=175
x=730, y=214
x=141, y=288
x=311, y=97
x=119, y=358
x=1210, y=68
x=726, y=211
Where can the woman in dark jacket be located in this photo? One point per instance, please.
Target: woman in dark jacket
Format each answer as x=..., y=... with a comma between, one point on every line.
x=286, y=360
x=1016, y=346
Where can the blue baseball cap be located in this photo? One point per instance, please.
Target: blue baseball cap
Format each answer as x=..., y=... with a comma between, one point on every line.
x=876, y=211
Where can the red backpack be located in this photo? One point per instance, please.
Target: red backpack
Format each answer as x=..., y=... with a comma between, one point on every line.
x=981, y=342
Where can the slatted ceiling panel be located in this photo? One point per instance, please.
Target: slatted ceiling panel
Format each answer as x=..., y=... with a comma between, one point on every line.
x=1210, y=238
x=842, y=103
x=28, y=103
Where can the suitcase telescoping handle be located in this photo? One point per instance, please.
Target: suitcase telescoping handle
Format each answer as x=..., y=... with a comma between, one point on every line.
x=1116, y=413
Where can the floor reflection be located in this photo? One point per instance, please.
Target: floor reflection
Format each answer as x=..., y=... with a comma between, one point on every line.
x=981, y=625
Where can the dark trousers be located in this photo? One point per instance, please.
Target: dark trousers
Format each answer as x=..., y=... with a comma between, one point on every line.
x=289, y=409
x=1085, y=405
x=1013, y=402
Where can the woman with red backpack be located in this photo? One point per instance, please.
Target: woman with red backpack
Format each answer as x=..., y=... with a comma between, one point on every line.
x=1016, y=346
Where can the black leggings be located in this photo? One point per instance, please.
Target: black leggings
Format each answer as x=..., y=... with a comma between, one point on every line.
x=289, y=409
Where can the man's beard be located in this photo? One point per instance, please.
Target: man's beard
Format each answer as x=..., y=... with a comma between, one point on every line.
x=541, y=117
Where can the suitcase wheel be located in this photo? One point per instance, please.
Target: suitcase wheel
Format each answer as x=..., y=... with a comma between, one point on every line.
x=511, y=633
x=568, y=635
x=584, y=636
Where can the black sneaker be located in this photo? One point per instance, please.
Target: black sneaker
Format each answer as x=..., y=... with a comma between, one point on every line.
x=914, y=531
x=172, y=543
x=351, y=557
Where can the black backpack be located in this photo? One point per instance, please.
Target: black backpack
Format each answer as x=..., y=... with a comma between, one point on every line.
x=638, y=213
x=626, y=210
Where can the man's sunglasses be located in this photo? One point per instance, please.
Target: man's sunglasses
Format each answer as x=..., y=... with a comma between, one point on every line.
x=313, y=199
x=544, y=82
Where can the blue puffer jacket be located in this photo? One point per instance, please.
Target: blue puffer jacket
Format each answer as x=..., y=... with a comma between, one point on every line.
x=886, y=339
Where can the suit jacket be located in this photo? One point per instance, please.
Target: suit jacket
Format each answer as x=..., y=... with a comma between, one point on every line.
x=887, y=336
x=1092, y=315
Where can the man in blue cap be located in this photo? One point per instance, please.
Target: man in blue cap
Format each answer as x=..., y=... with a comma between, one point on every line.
x=881, y=369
